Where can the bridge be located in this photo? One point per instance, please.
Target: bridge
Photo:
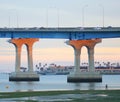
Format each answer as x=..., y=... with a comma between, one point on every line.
x=78, y=37
x=75, y=33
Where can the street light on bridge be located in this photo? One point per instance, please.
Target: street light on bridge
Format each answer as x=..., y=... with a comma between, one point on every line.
x=83, y=15
x=17, y=19
x=9, y=21
x=47, y=18
x=58, y=13
x=14, y=12
x=103, y=14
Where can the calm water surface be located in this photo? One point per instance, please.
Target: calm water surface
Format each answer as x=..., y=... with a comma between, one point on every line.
x=56, y=82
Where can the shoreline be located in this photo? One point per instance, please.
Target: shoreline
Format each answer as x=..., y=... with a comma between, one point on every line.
x=56, y=92
x=62, y=96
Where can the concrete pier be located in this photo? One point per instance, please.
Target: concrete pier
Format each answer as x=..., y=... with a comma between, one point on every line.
x=30, y=75
x=77, y=75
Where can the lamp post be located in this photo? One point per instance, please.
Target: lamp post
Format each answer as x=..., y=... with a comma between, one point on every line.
x=9, y=21
x=17, y=19
x=83, y=14
x=58, y=16
x=13, y=12
x=47, y=18
x=103, y=11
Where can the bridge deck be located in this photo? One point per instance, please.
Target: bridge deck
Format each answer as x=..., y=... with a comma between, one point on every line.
x=61, y=33
x=72, y=29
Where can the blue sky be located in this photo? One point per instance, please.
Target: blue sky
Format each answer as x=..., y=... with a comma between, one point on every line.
x=45, y=13
x=34, y=12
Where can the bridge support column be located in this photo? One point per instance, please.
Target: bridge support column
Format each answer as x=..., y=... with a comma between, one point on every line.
x=28, y=75
x=77, y=75
x=18, y=57
x=30, y=59
x=91, y=59
x=77, y=61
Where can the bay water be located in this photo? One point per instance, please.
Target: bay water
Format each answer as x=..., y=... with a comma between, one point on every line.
x=57, y=82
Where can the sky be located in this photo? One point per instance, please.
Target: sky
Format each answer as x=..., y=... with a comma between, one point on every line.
x=62, y=13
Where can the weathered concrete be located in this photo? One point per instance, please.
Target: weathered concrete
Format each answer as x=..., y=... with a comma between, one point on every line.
x=84, y=77
x=23, y=76
x=77, y=75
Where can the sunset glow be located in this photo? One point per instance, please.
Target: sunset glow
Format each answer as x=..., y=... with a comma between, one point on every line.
x=62, y=56
x=55, y=13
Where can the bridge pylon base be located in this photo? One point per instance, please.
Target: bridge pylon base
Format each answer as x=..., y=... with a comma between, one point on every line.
x=84, y=77
x=23, y=76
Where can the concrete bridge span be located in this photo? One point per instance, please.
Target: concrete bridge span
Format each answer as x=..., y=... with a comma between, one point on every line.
x=78, y=37
x=75, y=33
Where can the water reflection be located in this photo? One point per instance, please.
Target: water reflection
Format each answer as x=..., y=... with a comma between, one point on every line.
x=77, y=86
x=31, y=86
x=23, y=86
x=57, y=82
x=91, y=86
x=85, y=86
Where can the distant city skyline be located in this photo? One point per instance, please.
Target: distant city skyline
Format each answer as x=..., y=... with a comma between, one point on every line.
x=54, y=13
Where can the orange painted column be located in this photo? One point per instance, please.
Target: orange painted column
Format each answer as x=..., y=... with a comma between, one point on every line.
x=29, y=54
x=18, y=45
x=77, y=52
x=18, y=57
x=77, y=45
x=90, y=47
